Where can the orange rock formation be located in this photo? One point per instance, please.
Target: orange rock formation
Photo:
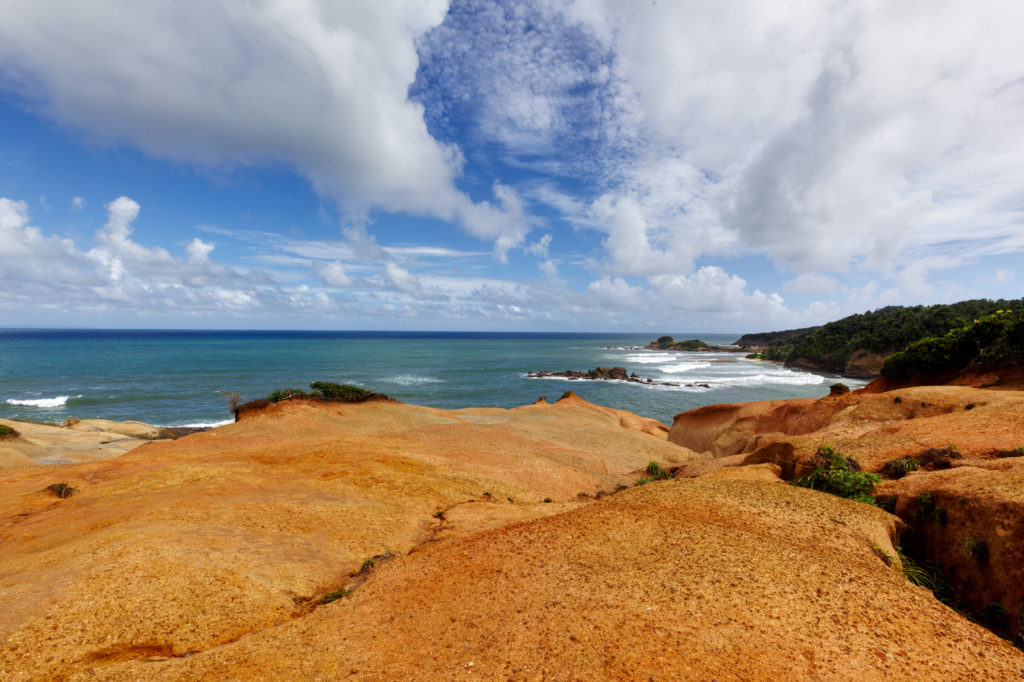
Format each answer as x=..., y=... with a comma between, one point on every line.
x=206, y=557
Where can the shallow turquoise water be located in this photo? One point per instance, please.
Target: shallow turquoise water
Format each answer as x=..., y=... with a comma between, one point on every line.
x=178, y=378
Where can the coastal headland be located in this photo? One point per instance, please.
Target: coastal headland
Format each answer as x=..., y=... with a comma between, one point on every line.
x=379, y=540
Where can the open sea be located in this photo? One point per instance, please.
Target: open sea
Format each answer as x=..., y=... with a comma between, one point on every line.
x=179, y=378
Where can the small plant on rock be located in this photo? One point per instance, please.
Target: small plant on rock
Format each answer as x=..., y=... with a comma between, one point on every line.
x=915, y=573
x=898, y=468
x=656, y=472
x=976, y=549
x=61, y=490
x=835, y=473
x=334, y=595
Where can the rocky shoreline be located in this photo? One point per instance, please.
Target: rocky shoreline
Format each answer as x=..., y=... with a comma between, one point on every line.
x=76, y=440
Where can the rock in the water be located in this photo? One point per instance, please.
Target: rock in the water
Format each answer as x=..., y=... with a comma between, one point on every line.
x=601, y=374
x=838, y=389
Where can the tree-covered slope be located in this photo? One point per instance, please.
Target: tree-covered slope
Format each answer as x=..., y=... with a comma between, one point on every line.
x=880, y=332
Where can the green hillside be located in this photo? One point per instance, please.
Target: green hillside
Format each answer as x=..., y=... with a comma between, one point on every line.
x=883, y=331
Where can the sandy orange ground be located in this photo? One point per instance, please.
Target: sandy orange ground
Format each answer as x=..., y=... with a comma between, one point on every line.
x=201, y=558
x=182, y=545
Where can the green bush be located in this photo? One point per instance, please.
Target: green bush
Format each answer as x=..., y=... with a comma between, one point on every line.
x=285, y=393
x=656, y=472
x=835, y=473
x=7, y=432
x=329, y=390
x=321, y=390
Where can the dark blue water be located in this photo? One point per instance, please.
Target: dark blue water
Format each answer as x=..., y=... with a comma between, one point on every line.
x=174, y=378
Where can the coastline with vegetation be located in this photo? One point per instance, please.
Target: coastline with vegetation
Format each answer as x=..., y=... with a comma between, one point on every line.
x=412, y=522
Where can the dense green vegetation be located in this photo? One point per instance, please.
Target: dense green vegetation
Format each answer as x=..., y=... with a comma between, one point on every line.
x=666, y=342
x=835, y=473
x=7, y=432
x=989, y=341
x=882, y=331
x=327, y=390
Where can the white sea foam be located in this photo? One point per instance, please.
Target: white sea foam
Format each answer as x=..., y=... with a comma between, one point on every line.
x=651, y=358
x=201, y=425
x=788, y=378
x=59, y=401
x=683, y=367
x=412, y=380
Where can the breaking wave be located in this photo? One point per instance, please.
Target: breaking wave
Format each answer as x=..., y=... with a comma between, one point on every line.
x=59, y=401
x=201, y=425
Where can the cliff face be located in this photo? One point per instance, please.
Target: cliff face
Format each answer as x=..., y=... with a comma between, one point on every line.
x=207, y=557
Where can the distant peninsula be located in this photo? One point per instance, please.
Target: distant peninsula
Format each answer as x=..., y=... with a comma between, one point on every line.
x=858, y=346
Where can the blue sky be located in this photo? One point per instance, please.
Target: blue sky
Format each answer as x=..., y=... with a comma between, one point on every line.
x=589, y=165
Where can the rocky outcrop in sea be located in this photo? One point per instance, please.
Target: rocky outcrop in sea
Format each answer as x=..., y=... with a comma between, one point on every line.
x=607, y=374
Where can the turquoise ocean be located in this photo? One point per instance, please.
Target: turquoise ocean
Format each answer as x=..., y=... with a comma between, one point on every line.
x=179, y=378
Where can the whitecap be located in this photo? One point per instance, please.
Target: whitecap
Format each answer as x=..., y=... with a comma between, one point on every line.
x=412, y=380
x=651, y=358
x=59, y=401
x=683, y=367
x=201, y=425
x=789, y=378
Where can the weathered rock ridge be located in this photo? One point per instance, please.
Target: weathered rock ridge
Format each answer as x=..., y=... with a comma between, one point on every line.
x=77, y=441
